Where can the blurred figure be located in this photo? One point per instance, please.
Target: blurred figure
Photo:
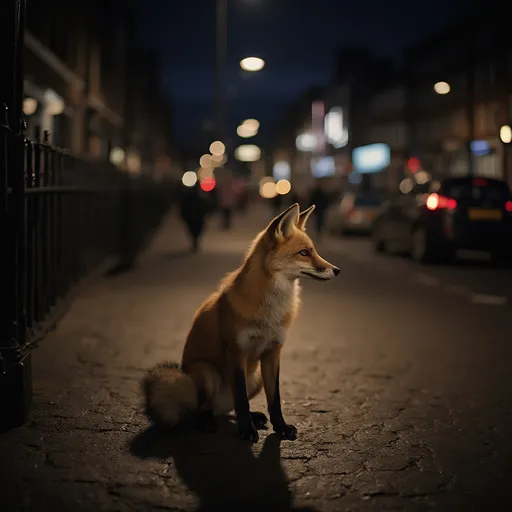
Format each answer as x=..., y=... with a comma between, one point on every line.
x=321, y=200
x=193, y=211
x=226, y=199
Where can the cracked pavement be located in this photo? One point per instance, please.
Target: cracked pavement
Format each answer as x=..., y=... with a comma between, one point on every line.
x=401, y=395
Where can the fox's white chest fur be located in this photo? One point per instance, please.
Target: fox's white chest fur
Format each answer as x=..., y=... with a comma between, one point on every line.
x=279, y=302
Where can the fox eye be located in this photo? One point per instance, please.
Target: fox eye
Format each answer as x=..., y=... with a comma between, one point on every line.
x=304, y=252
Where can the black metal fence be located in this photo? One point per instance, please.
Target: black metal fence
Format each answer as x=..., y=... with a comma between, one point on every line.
x=63, y=218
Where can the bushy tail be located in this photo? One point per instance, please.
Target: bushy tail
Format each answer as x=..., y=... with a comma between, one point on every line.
x=170, y=394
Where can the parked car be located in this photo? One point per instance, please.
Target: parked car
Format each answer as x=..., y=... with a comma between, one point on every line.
x=354, y=214
x=460, y=213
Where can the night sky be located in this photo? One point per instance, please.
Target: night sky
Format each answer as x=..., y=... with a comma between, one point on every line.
x=297, y=39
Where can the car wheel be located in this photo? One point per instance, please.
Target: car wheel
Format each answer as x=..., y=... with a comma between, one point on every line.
x=421, y=252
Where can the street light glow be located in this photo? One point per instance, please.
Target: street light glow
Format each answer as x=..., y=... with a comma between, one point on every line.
x=252, y=64
x=248, y=153
x=442, y=87
x=189, y=179
x=283, y=187
x=268, y=190
x=205, y=161
x=29, y=106
x=252, y=124
x=506, y=134
x=217, y=148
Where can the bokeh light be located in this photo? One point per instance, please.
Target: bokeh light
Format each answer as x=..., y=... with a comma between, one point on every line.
x=283, y=187
x=268, y=190
x=217, y=148
x=252, y=64
x=442, y=87
x=205, y=161
x=248, y=153
x=208, y=184
x=189, y=179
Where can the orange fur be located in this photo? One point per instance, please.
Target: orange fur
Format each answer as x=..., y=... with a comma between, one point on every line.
x=246, y=320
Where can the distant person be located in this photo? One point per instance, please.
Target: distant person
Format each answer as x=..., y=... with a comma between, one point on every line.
x=227, y=200
x=193, y=211
x=321, y=200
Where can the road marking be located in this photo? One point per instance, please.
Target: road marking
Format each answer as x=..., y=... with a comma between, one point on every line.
x=489, y=300
x=426, y=280
x=457, y=289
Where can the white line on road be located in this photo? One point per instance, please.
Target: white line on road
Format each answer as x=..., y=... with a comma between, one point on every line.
x=426, y=279
x=489, y=300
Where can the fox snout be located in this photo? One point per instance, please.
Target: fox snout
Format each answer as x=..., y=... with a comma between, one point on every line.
x=322, y=270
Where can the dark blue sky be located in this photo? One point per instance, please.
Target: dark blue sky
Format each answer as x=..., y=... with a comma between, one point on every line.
x=297, y=39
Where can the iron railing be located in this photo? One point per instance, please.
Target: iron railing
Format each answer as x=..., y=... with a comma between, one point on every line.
x=70, y=216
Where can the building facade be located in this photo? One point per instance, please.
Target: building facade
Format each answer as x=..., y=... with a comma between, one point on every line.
x=90, y=85
x=459, y=96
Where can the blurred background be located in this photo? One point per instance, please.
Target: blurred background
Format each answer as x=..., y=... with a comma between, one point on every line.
x=144, y=143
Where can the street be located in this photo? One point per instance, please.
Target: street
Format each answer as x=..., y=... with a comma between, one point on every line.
x=397, y=377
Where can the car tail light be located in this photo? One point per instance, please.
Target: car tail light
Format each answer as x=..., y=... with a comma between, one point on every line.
x=438, y=202
x=508, y=206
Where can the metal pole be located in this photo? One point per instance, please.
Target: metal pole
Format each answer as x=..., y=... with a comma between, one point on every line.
x=470, y=107
x=221, y=58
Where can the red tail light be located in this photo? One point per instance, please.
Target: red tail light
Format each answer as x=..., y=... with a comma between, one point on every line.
x=437, y=202
x=480, y=182
x=508, y=206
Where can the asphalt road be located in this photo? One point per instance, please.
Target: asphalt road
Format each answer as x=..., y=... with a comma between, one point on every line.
x=396, y=376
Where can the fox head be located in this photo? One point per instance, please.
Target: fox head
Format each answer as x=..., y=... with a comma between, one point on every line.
x=291, y=252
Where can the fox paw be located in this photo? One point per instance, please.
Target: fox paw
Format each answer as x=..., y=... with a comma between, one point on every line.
x=260, y=420
x=285, y=431
x=248, y=434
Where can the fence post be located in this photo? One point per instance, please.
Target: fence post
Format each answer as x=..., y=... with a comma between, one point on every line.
x=15, y=367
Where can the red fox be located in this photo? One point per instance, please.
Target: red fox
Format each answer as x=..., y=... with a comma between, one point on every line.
x=233, y=348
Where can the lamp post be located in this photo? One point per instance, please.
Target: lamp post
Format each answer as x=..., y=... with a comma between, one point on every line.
x=221, y=58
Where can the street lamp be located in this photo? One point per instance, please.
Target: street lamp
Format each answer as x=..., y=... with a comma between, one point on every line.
x=252, y=64
x=442, y=88
x=506, y=134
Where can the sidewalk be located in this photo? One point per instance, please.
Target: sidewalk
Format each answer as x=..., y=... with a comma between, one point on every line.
x=86, y=446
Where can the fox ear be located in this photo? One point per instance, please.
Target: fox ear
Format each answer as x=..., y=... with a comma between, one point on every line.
x=304, y=216
x=284, y=224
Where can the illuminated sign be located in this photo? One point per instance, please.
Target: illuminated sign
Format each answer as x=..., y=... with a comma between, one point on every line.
x=322, y=167
x=480, y=147
x=371, y=158
x=334, y=126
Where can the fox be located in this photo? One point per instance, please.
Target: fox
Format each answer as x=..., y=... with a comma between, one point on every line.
x=232, y=350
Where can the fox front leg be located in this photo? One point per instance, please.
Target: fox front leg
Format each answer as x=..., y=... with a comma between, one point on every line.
x=246, y=428
x=270, y=374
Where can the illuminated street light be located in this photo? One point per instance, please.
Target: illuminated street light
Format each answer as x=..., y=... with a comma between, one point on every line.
x=217, y=148
x=205, y=161
x=252, y=124
x=268, y=190
x=252, y=64
x=442, y=87
x=248, y=153
x=506, y=134
x=189, y=179
x=283, y=187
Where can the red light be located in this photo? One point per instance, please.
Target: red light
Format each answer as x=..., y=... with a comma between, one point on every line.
x=413, y=164
x=208, y=184
x=508, y=206
x=435, y=202
x=479, y=182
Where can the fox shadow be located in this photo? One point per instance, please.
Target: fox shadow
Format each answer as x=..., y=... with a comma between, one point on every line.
x=222, y=470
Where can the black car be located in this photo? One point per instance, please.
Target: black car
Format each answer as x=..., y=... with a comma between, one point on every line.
x=459, y=213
